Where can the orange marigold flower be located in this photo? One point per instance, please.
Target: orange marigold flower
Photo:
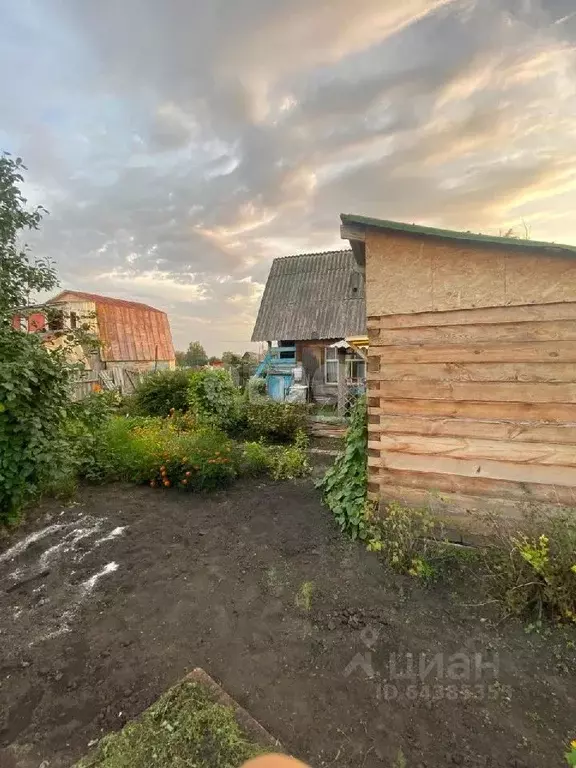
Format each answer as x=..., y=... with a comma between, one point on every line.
x=167, y=483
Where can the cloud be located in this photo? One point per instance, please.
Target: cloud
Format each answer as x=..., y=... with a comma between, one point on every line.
x=180, y=146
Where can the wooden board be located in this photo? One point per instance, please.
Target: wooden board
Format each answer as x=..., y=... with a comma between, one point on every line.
x=525, y=412
x=555, y=330
x=514, y=392
x=528, y=372
x=519, y=314
x=476, y=486
x=488, y=429
x=497, y=470
x=505, y=352
x=475, y=449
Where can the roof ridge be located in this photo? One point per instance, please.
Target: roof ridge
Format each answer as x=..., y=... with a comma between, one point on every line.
x=454, y=234
x=313, y=253
x=95, y=297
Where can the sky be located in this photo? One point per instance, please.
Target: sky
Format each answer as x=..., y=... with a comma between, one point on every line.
x=181, y=145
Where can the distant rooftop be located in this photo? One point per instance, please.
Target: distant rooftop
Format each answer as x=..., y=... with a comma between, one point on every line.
x=312, y=296
x=353, y=220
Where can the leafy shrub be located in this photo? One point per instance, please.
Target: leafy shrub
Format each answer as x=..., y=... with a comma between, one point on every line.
x=34, y=394
x=213, y=398
x=155, y=451
x=534, y=574
x=256, y=389
x=571, y=754
x=277, y=422
x=345, y=484
x=278, y=461
x=160, y=392
x=291, y=461
x=253, y=458
x=403, y=536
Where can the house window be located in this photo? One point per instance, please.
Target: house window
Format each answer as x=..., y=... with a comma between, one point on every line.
x=73, y=320
x=355, y=368
x=331, y=365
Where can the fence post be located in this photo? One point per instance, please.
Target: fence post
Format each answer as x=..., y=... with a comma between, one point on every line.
x=342, y=387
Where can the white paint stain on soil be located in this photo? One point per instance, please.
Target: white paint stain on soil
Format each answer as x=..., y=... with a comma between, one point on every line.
x=50, y=564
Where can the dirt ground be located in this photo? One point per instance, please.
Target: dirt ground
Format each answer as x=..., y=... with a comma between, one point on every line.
x=106, y=602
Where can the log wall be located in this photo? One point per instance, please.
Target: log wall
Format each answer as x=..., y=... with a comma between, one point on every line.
x=471, y=407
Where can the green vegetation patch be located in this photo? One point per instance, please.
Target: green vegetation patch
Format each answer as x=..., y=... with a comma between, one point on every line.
x=185, y=728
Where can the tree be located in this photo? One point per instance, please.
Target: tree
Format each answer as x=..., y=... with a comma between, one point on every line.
x=19, y=274
x=180, y=358
x=231, y=358
x=195, y=355
x=34, y=382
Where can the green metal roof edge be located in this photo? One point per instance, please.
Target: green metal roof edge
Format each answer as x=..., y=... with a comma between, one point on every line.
x=450, y=234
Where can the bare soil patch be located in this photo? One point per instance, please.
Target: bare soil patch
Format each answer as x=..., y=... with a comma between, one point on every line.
x=107, y=602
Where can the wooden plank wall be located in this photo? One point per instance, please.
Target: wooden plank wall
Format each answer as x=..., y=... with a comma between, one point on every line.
x=476, y=405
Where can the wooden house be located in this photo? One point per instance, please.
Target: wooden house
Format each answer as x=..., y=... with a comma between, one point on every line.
x=310, y=302
x=131, y=337
x=471, y=368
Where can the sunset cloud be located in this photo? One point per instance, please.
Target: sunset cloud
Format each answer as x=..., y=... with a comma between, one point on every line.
x=181, y=146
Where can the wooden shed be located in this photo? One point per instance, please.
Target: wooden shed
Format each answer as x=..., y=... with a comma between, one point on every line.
x=471, y=368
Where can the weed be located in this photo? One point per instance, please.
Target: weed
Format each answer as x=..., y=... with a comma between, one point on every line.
x=571, y=754
x=304, y=596
x=534, y=574
x=402, y=535
x=399, y=760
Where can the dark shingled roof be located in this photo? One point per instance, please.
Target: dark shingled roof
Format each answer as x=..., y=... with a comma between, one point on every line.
x=312, y=296
x=450, y=234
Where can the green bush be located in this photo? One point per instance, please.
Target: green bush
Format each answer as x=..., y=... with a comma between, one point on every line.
x=213, y=398
x=278, y=461
x=34, y=395
x=157, y=452
x=160, y=392
x=534, y=574
x=403, y=535
x=256, y=389
x=276, y=422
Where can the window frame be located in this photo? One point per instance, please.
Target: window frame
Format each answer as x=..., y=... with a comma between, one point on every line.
x=330, y=363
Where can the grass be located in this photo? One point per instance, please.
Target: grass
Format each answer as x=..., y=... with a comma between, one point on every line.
x=185, y=728
x=304, y=596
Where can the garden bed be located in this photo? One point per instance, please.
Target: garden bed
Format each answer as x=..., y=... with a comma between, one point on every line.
x=109, y=601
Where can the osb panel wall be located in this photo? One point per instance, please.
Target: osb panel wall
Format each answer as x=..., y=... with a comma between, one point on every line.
x=473, y=410
x=416, y=274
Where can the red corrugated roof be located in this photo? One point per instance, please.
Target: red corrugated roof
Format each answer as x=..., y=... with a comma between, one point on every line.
x=128, y=330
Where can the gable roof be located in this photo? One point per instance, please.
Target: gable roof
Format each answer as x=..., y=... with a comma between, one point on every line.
x=98, y=299
x=364, y=222
x=312, y=296
x=128, y=330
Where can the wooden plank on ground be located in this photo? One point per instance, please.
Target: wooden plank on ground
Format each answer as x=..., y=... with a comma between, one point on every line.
x=497, y=470
x=526, y=412
x=477, y=449
x=476, y=486
x=505, y=352
x=550, y=372
x=519, y=314
x=489, y=429
x=513, y=392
